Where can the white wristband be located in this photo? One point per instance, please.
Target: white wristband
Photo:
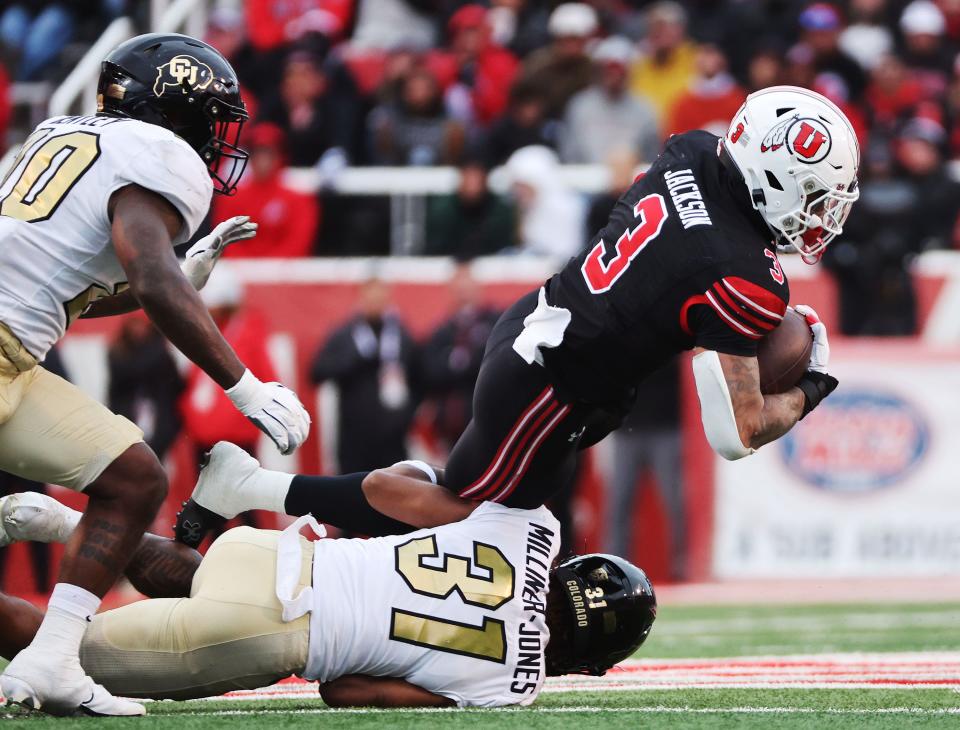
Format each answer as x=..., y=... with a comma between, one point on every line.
x=244, y=392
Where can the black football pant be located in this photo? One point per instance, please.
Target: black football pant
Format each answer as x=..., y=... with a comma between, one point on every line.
x=521, y=446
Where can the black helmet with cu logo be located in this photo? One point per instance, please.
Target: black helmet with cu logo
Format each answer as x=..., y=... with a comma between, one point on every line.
x=186, y=86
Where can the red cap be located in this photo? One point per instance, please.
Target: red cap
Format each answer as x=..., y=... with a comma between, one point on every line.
x=469, y=16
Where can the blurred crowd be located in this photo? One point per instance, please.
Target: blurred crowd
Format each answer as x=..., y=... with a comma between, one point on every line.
x=533, y=84
x=536, y=84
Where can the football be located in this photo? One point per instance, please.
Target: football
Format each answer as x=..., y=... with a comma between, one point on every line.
x=784, y=353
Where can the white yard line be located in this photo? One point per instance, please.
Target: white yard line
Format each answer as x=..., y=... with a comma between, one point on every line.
x=904, y=670
x=653, y=709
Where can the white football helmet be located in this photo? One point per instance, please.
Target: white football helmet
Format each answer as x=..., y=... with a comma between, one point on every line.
x=799, y=157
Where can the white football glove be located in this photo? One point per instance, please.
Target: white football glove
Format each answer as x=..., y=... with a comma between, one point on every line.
x=203, y=255
x=820, y=355
x=273, y=409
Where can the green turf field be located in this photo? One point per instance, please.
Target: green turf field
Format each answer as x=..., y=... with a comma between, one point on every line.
x=691, y=632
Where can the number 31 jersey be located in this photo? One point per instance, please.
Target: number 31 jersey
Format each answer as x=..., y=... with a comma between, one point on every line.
x=458, y=610
x=56, y=252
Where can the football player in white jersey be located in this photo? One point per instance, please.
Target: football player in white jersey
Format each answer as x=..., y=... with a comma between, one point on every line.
x=89, y=214
x=470, y=613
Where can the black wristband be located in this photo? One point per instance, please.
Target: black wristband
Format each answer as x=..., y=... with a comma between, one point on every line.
x=815, y=387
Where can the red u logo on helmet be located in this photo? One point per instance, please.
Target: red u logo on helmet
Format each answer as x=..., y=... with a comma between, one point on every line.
x=808, y=141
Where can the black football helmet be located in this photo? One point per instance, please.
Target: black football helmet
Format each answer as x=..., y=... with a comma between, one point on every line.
x=186, y=86
x=613, y=608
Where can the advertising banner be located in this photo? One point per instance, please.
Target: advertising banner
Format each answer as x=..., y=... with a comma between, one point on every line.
x=867, y=485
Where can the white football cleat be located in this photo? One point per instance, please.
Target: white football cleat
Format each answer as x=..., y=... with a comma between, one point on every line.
x=222, y=492
x=61, y=687
x=35, y=517
x=220, y=487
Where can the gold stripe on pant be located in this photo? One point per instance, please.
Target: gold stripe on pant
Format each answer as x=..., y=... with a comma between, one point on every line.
x=228, y=635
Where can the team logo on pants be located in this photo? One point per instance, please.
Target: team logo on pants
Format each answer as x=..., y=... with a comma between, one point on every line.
x=181, y=70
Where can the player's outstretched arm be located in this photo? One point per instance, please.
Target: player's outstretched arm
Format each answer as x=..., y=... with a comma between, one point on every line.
x=144, y=225
x=197, y=265
x=405, y=493
x=355, y=690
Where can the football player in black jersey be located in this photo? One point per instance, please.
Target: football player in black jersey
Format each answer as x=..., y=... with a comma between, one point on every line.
x=688, y=260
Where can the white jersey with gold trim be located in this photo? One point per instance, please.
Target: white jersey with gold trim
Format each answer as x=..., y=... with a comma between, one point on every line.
x=56, y=252
x=458, y=610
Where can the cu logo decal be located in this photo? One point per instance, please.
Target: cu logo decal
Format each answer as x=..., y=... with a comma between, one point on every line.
x=809, y=140
x=181, y=70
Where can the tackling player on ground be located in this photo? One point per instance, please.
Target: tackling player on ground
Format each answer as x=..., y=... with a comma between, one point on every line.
x=688, y=260
x=474, y=613
x=89, y=215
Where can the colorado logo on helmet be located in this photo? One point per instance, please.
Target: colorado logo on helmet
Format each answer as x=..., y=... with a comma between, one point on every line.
x=181, y=70
x=807, y=139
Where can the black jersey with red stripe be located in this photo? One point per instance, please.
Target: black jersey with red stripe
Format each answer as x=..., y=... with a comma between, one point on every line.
x=683, y=261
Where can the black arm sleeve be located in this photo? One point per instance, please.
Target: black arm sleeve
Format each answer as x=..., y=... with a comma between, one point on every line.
x=712, y=332
x=340, y=501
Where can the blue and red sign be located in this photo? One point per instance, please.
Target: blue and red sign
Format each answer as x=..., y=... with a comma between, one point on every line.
x=857, y=441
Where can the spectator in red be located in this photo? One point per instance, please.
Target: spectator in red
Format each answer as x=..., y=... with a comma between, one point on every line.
x=712, y=99
x=272, y=24
x=288, y=219
x=484, y=70
x=208, y=415
x=892, y=92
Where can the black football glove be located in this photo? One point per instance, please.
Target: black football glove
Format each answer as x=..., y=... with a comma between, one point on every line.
x=815, y=387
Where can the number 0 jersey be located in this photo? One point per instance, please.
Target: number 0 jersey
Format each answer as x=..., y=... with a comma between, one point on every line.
x=56, y=252
x=683, y=261
x=458, y=610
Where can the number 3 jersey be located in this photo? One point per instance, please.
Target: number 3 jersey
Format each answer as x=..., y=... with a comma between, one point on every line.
x=458, y=610
x=683, y=261
x=56, y=252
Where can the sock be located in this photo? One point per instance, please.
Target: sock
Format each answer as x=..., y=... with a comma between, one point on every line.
x=339, y=501
x=65, y=623
x=266, y=490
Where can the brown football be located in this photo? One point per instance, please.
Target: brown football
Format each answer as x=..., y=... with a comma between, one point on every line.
x=784, y=353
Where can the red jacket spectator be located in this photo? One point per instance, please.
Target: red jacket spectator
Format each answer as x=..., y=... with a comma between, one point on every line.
x=208, y=415
x=484, y=69
x=712, y=99
x=271, y=23
x=893, y=92
x=696, y=110
x=288, y=219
